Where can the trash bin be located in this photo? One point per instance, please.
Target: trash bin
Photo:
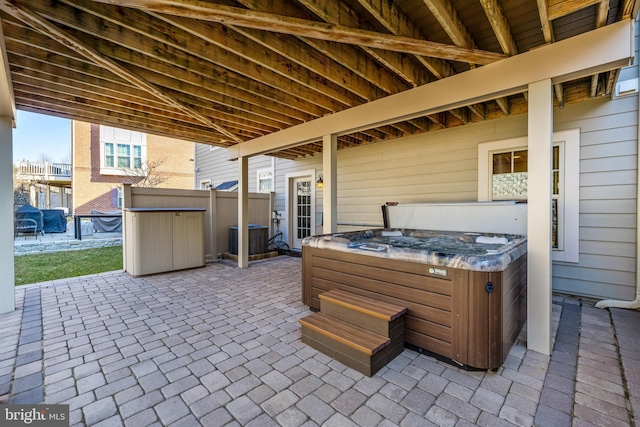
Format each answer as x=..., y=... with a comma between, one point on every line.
x=258, y=238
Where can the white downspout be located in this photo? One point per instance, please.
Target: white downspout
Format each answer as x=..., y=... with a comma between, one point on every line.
x=635, y=304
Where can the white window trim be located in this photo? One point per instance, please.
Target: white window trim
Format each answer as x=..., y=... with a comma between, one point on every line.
x=104, y=170
x=206, y=184
x=570, y=193
x=263, y=170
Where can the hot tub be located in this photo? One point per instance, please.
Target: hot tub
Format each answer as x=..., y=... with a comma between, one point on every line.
x=465, y=293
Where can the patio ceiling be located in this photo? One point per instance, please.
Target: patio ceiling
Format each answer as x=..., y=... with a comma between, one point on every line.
x=225, y=72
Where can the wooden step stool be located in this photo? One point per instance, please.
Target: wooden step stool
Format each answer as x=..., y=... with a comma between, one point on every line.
x=360, y=332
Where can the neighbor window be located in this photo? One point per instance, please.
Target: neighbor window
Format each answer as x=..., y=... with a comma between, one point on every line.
x=503, y=175
x=120, y=150
x=265, y=180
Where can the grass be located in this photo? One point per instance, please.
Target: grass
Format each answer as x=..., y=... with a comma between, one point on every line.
x=60, y=265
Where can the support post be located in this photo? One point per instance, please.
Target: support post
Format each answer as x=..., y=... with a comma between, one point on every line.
x=539, y=217
x=330, y=190
x=243, y=212
x=7, y=284
x=213, y=209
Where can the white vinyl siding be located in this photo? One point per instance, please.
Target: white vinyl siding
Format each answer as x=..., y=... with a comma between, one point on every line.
x=213, y=165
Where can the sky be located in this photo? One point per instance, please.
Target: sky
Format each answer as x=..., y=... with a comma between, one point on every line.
x=36, y=135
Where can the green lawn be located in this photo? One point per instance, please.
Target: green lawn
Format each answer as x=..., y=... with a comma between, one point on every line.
x=60, y=265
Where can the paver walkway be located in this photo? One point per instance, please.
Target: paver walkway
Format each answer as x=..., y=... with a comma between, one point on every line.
x=221, y=346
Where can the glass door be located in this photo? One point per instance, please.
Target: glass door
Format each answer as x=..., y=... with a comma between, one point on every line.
x=301, y=210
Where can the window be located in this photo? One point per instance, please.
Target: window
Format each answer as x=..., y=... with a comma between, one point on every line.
x=109, y=155
x=120, y=150
x=265, y=180
x=502, y=175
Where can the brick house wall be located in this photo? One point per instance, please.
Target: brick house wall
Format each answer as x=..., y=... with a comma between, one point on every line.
x=95, y=191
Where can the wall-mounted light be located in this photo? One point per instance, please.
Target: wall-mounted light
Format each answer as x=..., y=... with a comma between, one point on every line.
x=320, y=182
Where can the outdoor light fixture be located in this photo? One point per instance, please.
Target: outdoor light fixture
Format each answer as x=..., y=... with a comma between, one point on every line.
x=320, y=182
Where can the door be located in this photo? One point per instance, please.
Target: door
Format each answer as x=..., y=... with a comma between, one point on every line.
x=301, y=210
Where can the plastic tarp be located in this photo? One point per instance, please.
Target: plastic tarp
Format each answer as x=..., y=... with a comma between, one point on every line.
x=107, y=225
x=29, y=212
x=54, y=221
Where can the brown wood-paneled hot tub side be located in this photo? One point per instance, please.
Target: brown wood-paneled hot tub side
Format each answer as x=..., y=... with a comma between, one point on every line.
x=452, y=315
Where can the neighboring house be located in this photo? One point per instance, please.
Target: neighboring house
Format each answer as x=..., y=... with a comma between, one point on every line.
x=45, y=185
x=105, y=157
x=595, y=183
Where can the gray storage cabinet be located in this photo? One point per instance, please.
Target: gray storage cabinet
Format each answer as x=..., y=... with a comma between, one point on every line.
x=163, y=239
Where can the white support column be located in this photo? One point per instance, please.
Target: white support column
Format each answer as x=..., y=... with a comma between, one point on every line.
x=539, y=217
x=7, y=284
x=243, y=212
x=330, y=190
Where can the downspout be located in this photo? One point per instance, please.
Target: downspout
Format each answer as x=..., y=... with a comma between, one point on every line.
x=635, y=304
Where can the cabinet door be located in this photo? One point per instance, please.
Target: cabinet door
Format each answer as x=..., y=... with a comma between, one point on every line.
x=154, y=240
x=188, y=240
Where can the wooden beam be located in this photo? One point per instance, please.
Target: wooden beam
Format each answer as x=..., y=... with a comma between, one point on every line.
x=304, y=28
x=77, y=111
x=593, y=88
x=503, y=103
x=398, y=23
x=559, y=9
x=447, y=16
x=218, y=94
x=603, y=13
x=500, y=26
x=601, y=21
x=630, y=9
x=137, y=34
x=336, y=12
x=65, y=39
x=557, y=88
x=612, y=77
x=606, y=48
x=31, y=61
x=545, y=22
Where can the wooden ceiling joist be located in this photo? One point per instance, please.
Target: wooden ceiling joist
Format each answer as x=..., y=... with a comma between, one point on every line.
x=304, y=28
x=62, y=37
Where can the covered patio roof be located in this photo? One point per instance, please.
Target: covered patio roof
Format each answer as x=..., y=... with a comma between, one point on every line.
x=224, y=72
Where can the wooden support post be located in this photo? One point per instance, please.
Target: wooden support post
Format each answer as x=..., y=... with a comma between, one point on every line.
x=330, y=191
x=539, y=217
x=243, y=212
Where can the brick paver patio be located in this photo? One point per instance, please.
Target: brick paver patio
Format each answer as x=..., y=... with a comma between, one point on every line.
x=221, y=346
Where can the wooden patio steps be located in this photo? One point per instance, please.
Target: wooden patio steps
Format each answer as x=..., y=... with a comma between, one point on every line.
x=360, y=332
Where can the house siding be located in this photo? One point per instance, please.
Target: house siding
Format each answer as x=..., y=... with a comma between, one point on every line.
x=212, y=164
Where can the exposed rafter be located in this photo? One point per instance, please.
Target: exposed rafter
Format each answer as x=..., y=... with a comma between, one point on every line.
x=71, y=42
x=500, y=26
x=560, y=9
x=303, y=28
x=601, y=21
